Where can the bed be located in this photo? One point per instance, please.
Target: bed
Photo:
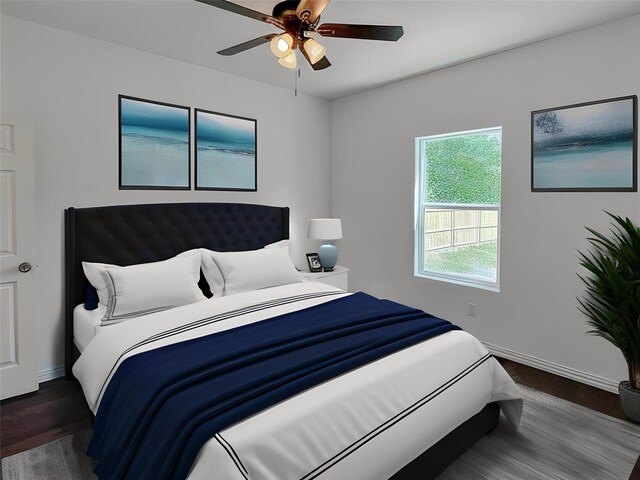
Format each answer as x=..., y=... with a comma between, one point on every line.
x=401, y=416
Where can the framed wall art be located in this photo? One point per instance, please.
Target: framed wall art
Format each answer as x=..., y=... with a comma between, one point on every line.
x=226, y=153
x=586, y=147
x=155, y=145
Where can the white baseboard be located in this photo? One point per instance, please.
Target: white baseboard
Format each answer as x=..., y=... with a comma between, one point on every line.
x=577, y=375
x=50, y=374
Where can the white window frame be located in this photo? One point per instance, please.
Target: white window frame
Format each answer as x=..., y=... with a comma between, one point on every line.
x=419, y=214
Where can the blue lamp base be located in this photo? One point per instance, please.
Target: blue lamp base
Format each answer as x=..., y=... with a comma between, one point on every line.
x=328, y=254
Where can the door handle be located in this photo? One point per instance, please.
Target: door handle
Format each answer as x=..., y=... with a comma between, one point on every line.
x=24, y=267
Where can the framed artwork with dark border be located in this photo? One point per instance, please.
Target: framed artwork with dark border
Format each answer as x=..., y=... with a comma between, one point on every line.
x=154, y=145
x=314, y=262
x=226, y=152
x=586, y=147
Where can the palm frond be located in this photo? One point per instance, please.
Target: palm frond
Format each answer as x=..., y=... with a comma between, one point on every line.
x=612, y=288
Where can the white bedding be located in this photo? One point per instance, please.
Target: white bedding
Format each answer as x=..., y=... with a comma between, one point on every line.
x=365, y=424
x=86, y=324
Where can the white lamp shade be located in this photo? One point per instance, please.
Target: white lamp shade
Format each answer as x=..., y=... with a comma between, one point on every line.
x=325, y=228
x=289, y=61
x=314, y=50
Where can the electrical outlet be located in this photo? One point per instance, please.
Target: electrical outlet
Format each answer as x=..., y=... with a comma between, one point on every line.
x=472, y=312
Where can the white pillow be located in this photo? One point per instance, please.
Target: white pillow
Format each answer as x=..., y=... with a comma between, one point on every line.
x=93, y=272
x=280, y=244
x=212, y=273
x=150, y=287
x=255, y=269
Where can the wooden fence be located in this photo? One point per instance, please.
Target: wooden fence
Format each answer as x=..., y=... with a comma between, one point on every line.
x=452, y=227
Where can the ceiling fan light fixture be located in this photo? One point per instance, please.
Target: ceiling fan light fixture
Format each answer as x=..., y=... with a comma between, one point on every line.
x=314, y=50
x=282, y=45
x=289, y=61
x=298, y=21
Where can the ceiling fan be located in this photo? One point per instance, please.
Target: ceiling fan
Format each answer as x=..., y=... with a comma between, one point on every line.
x=299, y=20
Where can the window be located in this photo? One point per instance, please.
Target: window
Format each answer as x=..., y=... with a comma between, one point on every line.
x=457, y=234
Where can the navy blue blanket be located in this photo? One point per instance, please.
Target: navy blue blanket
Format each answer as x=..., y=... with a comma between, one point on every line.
x=161, y=406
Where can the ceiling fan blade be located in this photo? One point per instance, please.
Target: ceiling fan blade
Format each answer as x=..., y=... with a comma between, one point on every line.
x=390, y=33
x=241, y=47
x=311, y=9
x=240, y=10
x=320, y=64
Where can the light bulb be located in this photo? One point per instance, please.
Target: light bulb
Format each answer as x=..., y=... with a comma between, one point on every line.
x=281, y=45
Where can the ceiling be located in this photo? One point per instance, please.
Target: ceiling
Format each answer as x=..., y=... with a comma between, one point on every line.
x=437, y=34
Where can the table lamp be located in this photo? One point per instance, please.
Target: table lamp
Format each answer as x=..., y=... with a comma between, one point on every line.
x=326, y=229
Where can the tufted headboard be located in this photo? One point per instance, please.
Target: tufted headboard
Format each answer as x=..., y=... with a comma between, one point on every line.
x=129, y=234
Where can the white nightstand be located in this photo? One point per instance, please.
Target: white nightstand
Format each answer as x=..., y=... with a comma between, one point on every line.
x=339, y=277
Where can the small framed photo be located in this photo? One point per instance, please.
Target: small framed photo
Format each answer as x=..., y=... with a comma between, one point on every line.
x=314, y=262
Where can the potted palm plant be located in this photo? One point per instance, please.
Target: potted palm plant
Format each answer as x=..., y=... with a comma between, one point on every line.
x=612, y=299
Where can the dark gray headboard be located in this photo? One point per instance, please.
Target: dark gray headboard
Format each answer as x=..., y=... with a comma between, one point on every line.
x=129, y=234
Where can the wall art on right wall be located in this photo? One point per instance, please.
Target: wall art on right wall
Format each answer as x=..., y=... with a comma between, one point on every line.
x=585, y=147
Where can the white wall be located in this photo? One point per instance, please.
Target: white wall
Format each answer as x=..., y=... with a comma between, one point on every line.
x=372, y=186
x=70, y=85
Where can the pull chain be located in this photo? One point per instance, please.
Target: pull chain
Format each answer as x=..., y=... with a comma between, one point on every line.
x=296, y=83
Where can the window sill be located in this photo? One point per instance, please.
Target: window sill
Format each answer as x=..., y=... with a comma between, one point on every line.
x=458, y=281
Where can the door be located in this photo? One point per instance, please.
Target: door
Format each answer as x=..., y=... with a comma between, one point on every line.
x=18, y=296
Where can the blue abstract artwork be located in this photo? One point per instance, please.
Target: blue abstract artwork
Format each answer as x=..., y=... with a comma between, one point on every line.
x=590, y=146
x=225, y=152
x=155, y=148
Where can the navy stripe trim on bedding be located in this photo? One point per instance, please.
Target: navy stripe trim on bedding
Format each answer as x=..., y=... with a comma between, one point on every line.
x=320, y=469
x=163, y=405
x=232, y=454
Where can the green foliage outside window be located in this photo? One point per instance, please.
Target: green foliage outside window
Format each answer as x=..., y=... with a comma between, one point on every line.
x=463, y=169
x=479, y=260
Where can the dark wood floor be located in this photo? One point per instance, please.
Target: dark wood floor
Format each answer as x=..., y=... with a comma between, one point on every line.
x=59, y=407
x=570, y=390
x=55, y=411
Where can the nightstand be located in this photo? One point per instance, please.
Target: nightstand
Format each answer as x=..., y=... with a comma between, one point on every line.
x=339, y=277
